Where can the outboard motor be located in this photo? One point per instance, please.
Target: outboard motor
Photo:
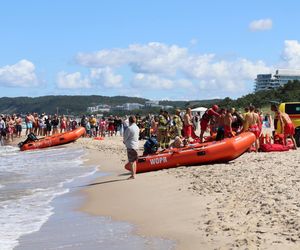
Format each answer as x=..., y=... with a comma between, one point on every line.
x=31, y=137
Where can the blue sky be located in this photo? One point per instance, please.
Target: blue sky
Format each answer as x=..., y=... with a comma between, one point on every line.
x=179, y=50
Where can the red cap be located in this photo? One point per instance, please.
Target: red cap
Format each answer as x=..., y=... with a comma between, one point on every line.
x=215, y=107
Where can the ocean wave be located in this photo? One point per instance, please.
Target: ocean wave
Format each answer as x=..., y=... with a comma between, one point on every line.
x=31, y=180
x=25, y=216
x=8, y=150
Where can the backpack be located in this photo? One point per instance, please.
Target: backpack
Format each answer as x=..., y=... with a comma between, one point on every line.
x=150, y=146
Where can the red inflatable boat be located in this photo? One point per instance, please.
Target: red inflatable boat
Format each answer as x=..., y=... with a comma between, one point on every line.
x=211, y=152
x=53, y=140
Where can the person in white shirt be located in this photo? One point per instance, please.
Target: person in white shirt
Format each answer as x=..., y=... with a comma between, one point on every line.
x=131, y=141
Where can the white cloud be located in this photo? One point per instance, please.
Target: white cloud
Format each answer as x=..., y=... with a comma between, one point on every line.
x=103, y=58
x=291, y=54
x=72, y=81
x=184, y=83
x=158, y=66
x=21, y=74
x=141, y=80
x=106, y=77
x=230, y=76
x=150, y=58
x=261, y=25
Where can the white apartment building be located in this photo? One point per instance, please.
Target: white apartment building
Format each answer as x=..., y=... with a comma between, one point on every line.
x=99, y=108
x=128, y=106
x=281, y=77
x=132, y=106
x=151, y=104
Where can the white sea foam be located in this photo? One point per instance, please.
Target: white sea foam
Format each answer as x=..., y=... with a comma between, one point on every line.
x=25, y=216
x=8, y=150
x=29, y=182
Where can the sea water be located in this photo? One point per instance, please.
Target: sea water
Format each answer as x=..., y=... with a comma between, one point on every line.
x=31, y=217
x=29, y=181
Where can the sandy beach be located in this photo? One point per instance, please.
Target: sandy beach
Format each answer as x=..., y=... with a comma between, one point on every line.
x=249, y=203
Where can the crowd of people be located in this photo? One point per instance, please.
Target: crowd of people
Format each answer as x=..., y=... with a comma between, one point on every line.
x=215, y=124
x=219, y=122
x=12, y=126
x=180, y=128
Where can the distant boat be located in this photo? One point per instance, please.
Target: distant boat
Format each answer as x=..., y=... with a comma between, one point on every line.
x=210, y=152
x=49, y=141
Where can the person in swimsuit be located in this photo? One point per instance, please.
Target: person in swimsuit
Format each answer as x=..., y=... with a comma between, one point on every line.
x=237, y=120
x=10, y=126
x=252, y=124
x=35, y=124
x=228, y=119
x=111, y=127
x=28, y=121
x=19, y=125
x=63, y=124
x=287, y=127
x=102, y=127
x=188, y=124
x=220, y=123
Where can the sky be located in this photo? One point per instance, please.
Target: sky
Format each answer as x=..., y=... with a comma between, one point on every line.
x=159, y=50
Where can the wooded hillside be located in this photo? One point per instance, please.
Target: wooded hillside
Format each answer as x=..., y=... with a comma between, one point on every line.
x=78, y=104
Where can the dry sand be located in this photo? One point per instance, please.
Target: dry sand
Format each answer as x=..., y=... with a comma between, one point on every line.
x=252, y=202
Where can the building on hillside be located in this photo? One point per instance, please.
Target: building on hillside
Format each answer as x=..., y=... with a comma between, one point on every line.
x=118, y=108
x=281, y=77
x=132, y=106
x=91, y=109
x=152, y=104
x=155, y=104
x=100, y=107
x=128, y=106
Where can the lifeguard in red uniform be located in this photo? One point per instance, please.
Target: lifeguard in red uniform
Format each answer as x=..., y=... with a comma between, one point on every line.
x=205, y=119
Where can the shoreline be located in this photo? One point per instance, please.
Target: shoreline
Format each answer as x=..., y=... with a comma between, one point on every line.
x=81, y=230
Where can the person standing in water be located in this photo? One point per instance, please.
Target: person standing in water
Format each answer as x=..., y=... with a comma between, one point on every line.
x=131, y=141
